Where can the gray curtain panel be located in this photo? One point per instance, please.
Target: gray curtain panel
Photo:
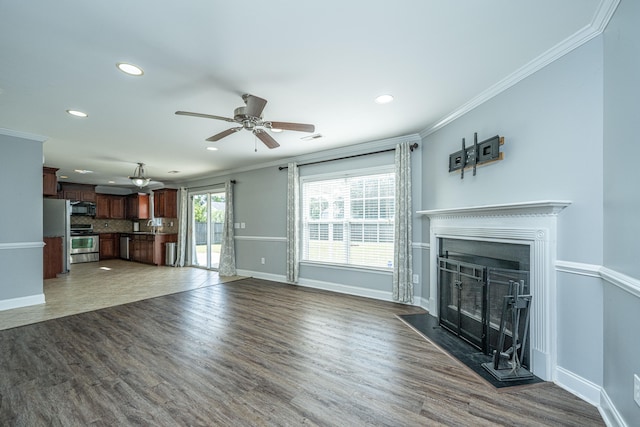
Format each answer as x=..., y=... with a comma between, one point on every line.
x=402, y=270
x=293, y=202
x=227, y=266
x=183, y=221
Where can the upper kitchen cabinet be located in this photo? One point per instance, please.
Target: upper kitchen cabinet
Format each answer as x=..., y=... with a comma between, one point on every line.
x=49, y=181
x=165, y=203
x=110, y=207
x=138, y=206
x=77, y=192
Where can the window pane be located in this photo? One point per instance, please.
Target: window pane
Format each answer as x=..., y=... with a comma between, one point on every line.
x=313, y=232
x=371, y=209
x=386, y=233
x=357, y=191
x=356, y=232
x=357, y=209
x=387, y=207
x=338, y=208
x=387, y=187
x=338, y=232
x=371, y=232
x=323, y=231
x=371, y=188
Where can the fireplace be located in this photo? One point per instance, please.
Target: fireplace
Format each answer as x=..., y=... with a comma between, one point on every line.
x=530, y=225
x=473, y=279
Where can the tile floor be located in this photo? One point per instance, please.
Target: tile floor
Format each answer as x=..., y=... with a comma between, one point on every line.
x=95, y=285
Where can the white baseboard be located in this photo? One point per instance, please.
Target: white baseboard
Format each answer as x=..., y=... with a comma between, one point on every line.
x=575, y=384
x=261, y=275
x=8, y=304
x=609, y=413
x=330, y=286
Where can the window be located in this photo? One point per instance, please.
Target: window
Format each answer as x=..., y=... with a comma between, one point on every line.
x=349, y=220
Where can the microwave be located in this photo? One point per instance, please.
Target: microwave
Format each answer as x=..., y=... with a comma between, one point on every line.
x=83, y=208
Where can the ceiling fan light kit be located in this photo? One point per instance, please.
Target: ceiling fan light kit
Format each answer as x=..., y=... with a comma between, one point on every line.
x=138, y=179
x=249, y=117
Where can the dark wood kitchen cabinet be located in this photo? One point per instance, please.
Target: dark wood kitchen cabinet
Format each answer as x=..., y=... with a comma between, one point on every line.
x=150, y=248
x=138, y=206
x=77, y=192
x=142, y=248
x=52, y=257
x=109, y=245
x=49, y=181
x=165, y=203
x=110, y=207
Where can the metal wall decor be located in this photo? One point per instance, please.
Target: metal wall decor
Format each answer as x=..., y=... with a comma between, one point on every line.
x=477, y=154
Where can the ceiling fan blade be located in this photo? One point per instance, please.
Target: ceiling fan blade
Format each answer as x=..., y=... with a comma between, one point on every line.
x=266, y=138
x=219, y=136
x=300, y=127
x=255, y=105
x=204, y=116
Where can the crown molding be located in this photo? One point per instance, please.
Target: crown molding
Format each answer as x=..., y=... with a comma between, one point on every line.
x=23, y=135
x=601, y=18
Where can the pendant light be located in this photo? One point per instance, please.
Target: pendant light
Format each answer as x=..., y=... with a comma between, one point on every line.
x=138, y=179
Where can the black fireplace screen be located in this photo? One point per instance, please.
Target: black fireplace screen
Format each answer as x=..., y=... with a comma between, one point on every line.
x=471, y=294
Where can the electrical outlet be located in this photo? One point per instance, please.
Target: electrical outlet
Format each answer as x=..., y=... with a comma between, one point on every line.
x=636, y=389
x=416, y=279
x=262, y=260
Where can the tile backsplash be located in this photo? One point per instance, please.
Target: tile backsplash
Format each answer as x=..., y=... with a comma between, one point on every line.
x=124, y=225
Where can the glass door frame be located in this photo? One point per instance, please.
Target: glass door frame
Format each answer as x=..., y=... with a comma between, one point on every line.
x=209, y=227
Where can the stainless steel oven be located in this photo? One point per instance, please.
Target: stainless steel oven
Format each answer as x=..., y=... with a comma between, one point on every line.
x=84, y=248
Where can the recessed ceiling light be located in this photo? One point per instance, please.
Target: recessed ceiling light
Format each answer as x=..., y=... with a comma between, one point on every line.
x=212, y=148
x=111, y=182
x=82, y=171
x=63, y=177
x=384, y=99
x=276, y=130
x=77, y=113
x=132, y=70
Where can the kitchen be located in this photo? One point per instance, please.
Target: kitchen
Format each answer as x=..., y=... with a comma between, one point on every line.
x=82, y=225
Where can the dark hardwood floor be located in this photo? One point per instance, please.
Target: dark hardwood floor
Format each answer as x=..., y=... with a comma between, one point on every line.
x=251, y=353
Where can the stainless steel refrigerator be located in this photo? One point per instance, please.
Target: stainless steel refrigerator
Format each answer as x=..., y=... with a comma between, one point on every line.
x=56, y=222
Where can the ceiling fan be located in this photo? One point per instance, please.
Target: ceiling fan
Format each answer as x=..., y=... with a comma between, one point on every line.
x=249, y=117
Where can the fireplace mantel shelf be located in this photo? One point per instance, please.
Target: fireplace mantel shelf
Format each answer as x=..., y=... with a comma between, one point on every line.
x=540, y=207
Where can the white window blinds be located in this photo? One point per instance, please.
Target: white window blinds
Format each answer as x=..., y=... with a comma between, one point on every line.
x=349, y=220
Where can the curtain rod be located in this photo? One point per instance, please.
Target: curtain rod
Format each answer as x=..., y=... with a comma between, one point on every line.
x=233, y=181
x=412, y=147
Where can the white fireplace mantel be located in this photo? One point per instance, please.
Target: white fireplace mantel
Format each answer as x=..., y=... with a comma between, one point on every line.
x=541, y=207
x=531, y=223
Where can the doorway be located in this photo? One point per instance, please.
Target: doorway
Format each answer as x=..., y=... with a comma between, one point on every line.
x=207, y=219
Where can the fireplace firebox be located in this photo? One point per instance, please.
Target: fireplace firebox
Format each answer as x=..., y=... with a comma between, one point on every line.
x=473, y=279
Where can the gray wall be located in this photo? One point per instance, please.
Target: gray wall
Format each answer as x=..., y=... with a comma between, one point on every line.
x=260, y=202
x=552, y=124
x=20, y=220
x=621, y=205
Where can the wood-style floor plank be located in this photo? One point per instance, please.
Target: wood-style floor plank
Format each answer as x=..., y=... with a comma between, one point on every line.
x=251, y=353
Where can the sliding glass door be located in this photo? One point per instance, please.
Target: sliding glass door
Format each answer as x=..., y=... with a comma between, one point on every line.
x=207, y=212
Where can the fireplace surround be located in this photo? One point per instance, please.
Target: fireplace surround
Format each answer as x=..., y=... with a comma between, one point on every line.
x=533, y=224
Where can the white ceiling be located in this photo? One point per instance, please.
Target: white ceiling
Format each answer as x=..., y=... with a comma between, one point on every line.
x=315, y=62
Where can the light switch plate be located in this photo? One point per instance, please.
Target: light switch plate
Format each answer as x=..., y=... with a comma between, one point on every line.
x=636, y=389
x=416, y=279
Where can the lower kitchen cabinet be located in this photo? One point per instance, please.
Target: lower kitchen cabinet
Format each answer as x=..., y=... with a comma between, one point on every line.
x=52, y=253
x=150, y=248
x=109, y=245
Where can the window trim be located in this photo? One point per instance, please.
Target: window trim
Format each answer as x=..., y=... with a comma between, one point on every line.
x=374, y=170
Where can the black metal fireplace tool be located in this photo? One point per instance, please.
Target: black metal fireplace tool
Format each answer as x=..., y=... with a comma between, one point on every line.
x=507, y=362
